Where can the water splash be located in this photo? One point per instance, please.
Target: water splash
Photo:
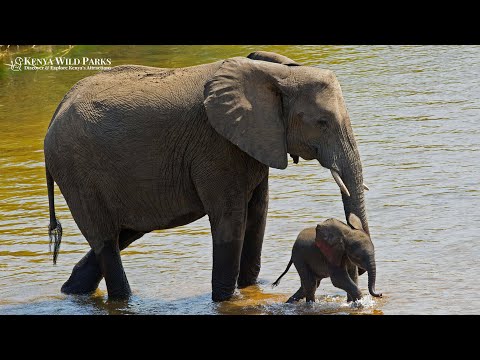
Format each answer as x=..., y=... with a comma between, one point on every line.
x=324, y=305
x=366, y=302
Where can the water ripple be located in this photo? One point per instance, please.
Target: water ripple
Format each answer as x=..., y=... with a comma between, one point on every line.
x=415, y=114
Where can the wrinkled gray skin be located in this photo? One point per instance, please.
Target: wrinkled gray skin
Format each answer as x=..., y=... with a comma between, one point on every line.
x=333, y=249
x=136, y=149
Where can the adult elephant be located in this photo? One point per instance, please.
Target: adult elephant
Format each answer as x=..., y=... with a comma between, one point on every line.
x=136, y=149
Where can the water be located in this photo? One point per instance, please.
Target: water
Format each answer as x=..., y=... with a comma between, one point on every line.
x=415, y=111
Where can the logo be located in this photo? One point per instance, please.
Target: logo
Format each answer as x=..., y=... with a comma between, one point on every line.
x=59, y=63
x=15, y=65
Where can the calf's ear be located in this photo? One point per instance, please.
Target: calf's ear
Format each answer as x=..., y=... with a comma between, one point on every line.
x=330, y=243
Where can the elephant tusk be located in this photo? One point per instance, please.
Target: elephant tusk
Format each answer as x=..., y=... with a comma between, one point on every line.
x=339, y=182
x=365, y=187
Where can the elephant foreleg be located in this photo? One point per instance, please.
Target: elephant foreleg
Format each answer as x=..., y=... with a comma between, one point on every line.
x=353, y=273
x=228, y=230
x=252, y=244
x=341, y=279
x=86, y=274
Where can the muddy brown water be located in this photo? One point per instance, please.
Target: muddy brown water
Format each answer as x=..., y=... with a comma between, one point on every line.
x=416, y=114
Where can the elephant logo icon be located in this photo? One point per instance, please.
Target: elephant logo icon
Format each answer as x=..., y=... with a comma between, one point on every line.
x=15, y=65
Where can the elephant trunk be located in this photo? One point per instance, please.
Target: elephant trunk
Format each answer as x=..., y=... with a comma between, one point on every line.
x=372, y=275
x=352, y=176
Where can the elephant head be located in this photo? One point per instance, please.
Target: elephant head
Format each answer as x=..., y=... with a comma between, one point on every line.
x=337, y=240
x=269, y=109
x=272, y=57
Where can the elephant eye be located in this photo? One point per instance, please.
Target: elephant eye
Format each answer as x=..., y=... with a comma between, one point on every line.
x=322, y=122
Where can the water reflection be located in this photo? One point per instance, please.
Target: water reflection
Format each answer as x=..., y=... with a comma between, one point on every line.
x=249, y=301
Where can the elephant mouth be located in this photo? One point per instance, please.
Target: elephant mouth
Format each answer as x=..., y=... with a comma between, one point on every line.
x=295, y=158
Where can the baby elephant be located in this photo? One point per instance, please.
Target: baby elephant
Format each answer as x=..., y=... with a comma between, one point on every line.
x=333, y=249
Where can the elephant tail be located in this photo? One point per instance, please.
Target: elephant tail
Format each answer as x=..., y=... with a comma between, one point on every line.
x=54, y=228
x=286, y=270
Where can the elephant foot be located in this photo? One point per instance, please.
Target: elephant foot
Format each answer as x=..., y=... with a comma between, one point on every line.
x=85, y=277
x=292, y=301
x=243, y=283
x=248, y=274
x=219, y=295
x=112, y=269
x=352, y=298
x=118, y=287
x=120, y=295
x=78, y=288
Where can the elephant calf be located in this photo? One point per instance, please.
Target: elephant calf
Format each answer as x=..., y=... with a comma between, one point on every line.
x=333, y=249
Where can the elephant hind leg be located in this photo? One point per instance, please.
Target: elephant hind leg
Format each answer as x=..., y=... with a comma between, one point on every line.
x=127, y=237
x=309, y=284
x=307, y=278
x=86, y=275
x=112, y=270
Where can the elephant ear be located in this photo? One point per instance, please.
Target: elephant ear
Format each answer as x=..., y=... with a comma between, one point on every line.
x=243, y=101
x=329, y=240
x=272, y=57
x=355, y=222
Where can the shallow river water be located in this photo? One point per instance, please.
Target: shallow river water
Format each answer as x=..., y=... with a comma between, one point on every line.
x=415, y=111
